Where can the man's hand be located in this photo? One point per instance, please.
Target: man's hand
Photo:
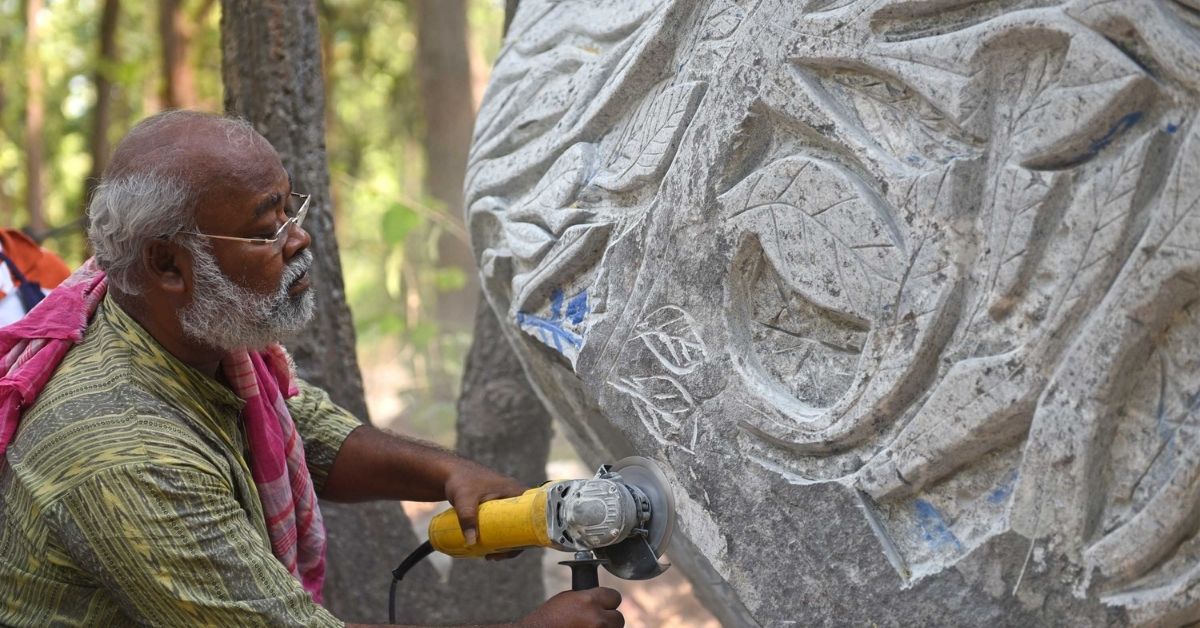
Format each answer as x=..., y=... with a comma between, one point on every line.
x=469, y=484
x=593, y=608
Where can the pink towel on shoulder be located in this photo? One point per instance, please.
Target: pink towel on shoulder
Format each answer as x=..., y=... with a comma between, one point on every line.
x=32, y=348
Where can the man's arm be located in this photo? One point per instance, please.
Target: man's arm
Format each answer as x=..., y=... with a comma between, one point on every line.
x=351, y=462
x=374, y=464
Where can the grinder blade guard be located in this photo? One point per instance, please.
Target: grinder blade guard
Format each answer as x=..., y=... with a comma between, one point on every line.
x=636, y=557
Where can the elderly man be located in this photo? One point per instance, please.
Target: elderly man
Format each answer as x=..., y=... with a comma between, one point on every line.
x=159, y=478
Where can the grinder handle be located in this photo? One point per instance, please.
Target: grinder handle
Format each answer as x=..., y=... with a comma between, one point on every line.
x=584, y=576
x=584, y=573
x=503, y=525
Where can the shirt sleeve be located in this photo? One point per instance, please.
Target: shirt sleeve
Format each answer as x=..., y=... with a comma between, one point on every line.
x=173, y=547
x=323, y=426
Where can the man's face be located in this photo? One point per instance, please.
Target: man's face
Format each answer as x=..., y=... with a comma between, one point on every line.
x=247, y=295
x=229, y=316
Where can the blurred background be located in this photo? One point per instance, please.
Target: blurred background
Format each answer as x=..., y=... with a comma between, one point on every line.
x=402, y=78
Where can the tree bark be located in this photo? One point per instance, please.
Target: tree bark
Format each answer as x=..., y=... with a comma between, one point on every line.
x=501, y=423
x=271, y=68
x=443, y=67
x=34, y=118
x=175, y=33
x=98, y=144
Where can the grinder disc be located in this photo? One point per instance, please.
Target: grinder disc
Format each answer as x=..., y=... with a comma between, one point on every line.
x=637, y=558
x=645, y=474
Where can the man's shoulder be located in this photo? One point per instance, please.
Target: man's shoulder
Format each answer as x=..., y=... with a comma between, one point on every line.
x=79, y=431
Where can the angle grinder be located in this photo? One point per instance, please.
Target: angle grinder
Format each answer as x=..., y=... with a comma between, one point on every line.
x=621, y=519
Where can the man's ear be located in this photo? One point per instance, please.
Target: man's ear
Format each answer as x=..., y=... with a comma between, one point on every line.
x=168, y=266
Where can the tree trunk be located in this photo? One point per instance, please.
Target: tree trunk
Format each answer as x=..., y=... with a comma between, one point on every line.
x=102, y=112
x=501, y=423
x=34, y=118
x=179, y=85
x=443, y=67
x=272, y=73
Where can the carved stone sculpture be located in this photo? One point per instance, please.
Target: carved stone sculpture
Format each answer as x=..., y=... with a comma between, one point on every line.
x=906, y=293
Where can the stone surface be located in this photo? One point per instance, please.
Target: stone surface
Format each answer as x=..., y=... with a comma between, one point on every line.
x=905, y=294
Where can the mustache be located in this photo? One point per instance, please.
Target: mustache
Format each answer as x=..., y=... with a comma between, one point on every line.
x=296, y=268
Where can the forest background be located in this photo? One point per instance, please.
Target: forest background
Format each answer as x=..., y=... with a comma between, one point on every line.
x=402, y=80
x=75, y=75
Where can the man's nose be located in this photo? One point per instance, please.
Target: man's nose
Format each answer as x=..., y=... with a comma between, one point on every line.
x=298, y=240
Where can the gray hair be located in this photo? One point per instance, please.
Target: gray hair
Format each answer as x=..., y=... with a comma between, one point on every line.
x=128, y=212
x=143, y=197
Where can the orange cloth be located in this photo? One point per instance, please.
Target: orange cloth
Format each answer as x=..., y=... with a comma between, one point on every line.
x=38, y=264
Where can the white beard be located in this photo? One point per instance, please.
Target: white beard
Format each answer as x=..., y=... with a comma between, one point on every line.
x=226, y=316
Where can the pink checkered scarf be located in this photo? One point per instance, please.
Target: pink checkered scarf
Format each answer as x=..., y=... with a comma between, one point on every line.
x=33, y=347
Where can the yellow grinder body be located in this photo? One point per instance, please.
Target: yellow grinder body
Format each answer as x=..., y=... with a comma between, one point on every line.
x=624, y=515
x=504, y=524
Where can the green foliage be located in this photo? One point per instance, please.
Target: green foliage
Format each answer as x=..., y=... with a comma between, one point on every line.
x=398, y=222
x=449, y=279
x=388, y=228
x=68, y=55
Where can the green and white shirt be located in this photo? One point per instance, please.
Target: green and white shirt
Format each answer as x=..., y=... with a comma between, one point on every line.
x=127, y=496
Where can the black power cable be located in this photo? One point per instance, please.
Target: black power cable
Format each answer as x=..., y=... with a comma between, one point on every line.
x=415, y=557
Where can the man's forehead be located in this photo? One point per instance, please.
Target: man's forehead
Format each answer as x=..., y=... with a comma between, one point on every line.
x=191, y=143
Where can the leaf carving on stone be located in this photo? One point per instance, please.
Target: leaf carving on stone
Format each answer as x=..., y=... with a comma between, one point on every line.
x=898, y=119
x=527, y=241
x=651, y=138
x=557, y=22
x=671, y=335
x=1019, y=203
x=579, y=246
x=722, y=21
x=831, y=239
x=662, y=405
x=1180, y=228
x=551, y=204
x=1106, y=208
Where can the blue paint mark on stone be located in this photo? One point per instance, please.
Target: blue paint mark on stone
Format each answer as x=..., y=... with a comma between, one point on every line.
x=577, y=308
x=1172, y=127
x=1122, y=125
x=1119, y=127
x=556, y=302
x=934, y=530
x=552, y=330
x=1000, y=494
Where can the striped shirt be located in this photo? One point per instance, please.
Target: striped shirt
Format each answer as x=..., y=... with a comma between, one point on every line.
x=127, y=496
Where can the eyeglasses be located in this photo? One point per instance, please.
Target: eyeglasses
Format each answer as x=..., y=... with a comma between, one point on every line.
x=295, y=217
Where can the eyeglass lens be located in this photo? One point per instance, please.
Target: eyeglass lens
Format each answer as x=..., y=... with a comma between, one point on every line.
x=296, y=210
